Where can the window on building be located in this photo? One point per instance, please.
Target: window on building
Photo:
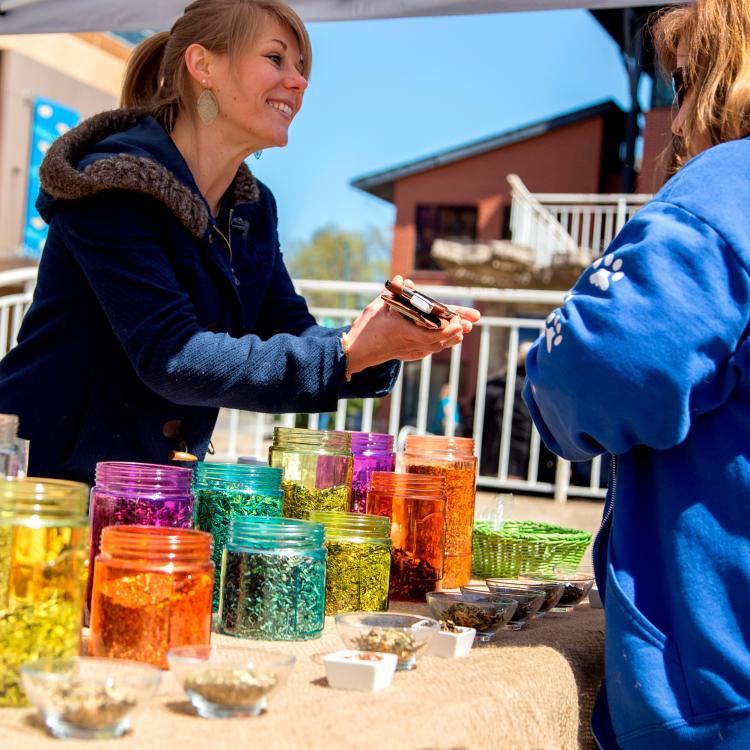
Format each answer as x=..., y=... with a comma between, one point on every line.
x=444, y=223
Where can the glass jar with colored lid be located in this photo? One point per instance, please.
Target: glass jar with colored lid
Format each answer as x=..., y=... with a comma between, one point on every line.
x=373, y=451
x=454, y=459
x=359, y=561
x=135, y=494
x=44, y=537
x=223, y=491
x=415, y=503
x=152, y=592
x=273, y=579
x=316, y=467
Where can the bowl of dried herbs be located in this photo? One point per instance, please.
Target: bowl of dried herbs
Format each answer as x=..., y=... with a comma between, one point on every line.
x=457, y=610
x=229, y=681
x=407, y=636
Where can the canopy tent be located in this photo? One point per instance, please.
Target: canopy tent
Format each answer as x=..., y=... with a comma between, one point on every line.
x=41, y=16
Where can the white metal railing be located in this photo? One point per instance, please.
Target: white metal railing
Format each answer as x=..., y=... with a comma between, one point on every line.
x=244, y=433
x=533, y=226
x=593, y=220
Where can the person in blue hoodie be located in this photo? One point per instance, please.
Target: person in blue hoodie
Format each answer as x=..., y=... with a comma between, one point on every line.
x=162, y=292
x=648, y=359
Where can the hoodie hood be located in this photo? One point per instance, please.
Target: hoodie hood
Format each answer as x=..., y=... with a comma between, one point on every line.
x=127, y=149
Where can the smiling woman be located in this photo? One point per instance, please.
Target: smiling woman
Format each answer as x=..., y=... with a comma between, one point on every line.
x=162, y=291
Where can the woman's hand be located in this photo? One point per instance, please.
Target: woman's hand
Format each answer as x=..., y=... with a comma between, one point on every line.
x=380, y=334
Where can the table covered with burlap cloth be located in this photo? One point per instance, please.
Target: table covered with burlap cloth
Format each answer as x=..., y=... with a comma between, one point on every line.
x=530, y=690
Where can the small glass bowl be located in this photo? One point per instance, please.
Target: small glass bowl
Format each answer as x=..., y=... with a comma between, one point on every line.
x=231, y=681
x=486, y=617
x=86, y=697
x=528, y=598
x=577, y=586
x=407, y=636
x=553, y=589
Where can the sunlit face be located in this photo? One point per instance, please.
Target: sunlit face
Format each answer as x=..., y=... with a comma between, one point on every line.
x=261, y=92
x=699, y=142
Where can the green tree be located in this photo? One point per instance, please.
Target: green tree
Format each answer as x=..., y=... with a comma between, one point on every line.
x=336, y=254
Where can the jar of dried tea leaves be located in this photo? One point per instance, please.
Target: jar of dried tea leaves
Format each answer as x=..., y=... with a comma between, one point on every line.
x=359, y=561
x=454, y=459
x=152, y=592
x=373, y=451
x=223, y=491
x=44, y=536
x=415, y=504
x=273, y=579
x=316, y=467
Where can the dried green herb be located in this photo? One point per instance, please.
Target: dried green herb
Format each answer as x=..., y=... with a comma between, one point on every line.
x=90, y=706
x=571, y=595
x=390, y=640
x=470, y=616
x=273, y=597
x=411, y=577
x=357, y=576
x=300, y=500
x=230, y=688
x=216, y=506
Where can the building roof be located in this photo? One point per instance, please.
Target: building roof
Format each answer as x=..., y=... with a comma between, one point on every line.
x=381, y=183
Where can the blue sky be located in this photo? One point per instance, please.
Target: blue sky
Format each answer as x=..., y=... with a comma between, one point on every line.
x=386, y=92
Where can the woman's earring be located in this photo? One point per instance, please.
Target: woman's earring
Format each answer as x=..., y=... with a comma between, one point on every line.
x=207, y=105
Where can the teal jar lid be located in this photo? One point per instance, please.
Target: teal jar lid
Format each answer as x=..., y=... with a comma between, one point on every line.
x=269, y=533
x=207, y=474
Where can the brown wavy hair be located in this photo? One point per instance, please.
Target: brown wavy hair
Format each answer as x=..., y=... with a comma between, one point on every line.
x=156, y=77
x=717, y=35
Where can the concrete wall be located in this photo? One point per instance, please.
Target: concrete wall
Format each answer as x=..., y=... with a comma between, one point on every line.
x=22, y=79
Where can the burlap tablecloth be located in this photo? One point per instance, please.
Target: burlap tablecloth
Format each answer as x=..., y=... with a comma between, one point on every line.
x=531, y=690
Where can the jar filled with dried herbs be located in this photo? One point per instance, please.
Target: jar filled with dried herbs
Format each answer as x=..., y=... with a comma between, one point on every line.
x=152, y=592
x=454, y=459
x=359, y=561
x=373, y=451
x=223, y=491
x=44, y=536
x=273, y=579
x=316, y=467
x=134, y=494
x=415, y=504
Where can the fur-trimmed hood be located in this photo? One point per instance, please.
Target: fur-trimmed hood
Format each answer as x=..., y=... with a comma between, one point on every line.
x=127, y=149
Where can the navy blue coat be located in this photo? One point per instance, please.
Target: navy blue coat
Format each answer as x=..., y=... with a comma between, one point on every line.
x=150, y=314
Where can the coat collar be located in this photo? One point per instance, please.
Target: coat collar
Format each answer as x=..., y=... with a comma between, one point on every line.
x=62, y=179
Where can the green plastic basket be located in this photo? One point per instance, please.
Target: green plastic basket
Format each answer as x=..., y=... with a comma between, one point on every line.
x=523, y=546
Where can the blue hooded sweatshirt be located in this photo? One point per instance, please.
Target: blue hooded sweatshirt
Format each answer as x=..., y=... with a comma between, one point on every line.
x=648, y=359
x=149, y=313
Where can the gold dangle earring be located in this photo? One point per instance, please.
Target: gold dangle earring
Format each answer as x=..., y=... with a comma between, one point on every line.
x=207, y=104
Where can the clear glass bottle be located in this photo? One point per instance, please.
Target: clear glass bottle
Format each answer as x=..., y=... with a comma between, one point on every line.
x=415, y=503
x=359, y=561
x=152, y=592
x=9, y=455
x=316, y=468
x=373, y=451
x=273, y=579
x=454, y=459
x=135, y=494
x=223, y=491
x=44, y=538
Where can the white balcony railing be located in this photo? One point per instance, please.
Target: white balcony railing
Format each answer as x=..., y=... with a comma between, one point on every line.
x=239, y=433
x=564, y=223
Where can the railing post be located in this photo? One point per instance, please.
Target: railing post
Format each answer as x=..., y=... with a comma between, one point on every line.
x=562, y=480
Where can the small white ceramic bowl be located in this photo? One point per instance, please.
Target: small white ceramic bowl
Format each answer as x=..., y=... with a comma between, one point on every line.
x=456, y=645
x=368, y=671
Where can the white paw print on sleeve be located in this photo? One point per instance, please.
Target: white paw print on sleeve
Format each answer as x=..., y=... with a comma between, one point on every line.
x=553, y=331
x=608, y=271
